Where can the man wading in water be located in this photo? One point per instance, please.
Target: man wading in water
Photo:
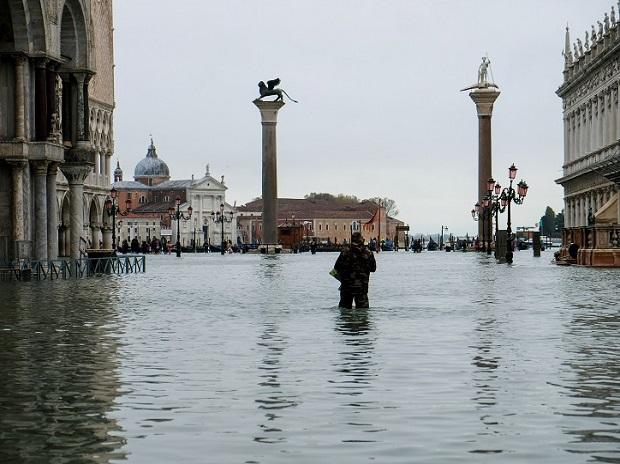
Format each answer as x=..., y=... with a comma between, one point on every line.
x=354, y=266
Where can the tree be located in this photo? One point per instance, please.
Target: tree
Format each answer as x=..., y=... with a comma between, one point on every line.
x=547, y=222
x=559, y=224
x=387, y=203
x=340, y=198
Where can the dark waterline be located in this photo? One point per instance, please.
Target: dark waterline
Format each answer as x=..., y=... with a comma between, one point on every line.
x=247, y=359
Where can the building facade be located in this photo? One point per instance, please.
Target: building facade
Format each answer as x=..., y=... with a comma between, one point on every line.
x=56, y=118
x=591, y=169
x=320, y=219
x=152, y=193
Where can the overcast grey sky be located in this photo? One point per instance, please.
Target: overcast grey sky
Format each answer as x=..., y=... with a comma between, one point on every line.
x=380, y=110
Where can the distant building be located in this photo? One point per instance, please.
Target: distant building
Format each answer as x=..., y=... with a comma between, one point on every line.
x=320, y=219
x=152, y=193
x=591, y=169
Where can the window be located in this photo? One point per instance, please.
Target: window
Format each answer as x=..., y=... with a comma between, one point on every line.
x=142, y=199
x=335, y=226
x=326, y=226
x=167, y=199
x=320, y=226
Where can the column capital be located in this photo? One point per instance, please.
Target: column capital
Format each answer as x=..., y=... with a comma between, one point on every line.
x=19, y=163
x=76, y=173
x=40, y=167
x=41, y=63
x=52, y=168
x=268, y=110
x=484, y=99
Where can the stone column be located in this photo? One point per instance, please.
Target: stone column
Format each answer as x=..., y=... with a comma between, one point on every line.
x=269, y=119
x=52, y=212
x=566, y=140
x=40, y=210
x=573, y=137
x=76, y=174
x=107, y=237
x=18, y=229
x=579, y=134
x=484, y=98
x=41, y=122
x=20, y=99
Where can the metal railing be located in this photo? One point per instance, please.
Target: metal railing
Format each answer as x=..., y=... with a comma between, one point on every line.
x=73, y=268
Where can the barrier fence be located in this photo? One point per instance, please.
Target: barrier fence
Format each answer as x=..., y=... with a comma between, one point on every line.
x=73, y=268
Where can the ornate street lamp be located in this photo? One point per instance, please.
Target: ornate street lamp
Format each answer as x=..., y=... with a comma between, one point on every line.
x=113, y=209
x=508, y=196
x=441, y=238
x=176, y=214
x=481, y=212
x=220, y=217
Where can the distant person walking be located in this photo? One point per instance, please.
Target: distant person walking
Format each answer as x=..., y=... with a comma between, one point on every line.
x=354, y=266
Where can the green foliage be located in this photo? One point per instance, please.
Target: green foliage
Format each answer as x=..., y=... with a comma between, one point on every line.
x=387, y=203
x=340, y=198
x=548, y=223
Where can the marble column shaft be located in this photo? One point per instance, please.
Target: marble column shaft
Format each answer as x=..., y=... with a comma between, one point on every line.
x=17, y=203
x=41, y=122
x=484, y=98
x=20, y=101
x=269, y=118
x=40, y=210
x=52, y=212
x=76, y=173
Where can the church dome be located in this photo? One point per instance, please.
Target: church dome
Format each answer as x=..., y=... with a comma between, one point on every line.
x=152, y=166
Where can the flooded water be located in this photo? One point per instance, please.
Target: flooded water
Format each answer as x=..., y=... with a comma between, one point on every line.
x=247, y=359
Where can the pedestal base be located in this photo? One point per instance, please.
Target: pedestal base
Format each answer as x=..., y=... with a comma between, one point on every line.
x=267, y=249
x=599, y=257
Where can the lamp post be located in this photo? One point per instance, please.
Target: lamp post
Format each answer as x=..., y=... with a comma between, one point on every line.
x=294, y=233
x=112, y=209
x=194, y=235
x=178, y=215
x=441, y=239
x=508, y=196
x=219, y=216
x=481, y=212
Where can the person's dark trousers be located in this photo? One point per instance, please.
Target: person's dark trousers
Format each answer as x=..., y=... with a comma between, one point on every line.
x=346, y=300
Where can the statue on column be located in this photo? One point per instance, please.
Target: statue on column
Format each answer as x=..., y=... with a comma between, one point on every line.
x=483, y=70
x=613, y=17
x=601, y=29
x=56, y=122
x=586, y=44
x=580, y=47
x=593, y=35
x=269, y=89
x=606, y=21
x=576, y=51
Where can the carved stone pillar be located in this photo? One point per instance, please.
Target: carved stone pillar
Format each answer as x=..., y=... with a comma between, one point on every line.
x=579, y=135
x=566, y=140
x=76, y=174
x=484, y=98
x=52, y=212
x=20, y=100
x=41, y=114
x=80, y=108
x=40, y=210
x=269, y=119
x=18, y=226
x=107, y=237
x=604, y=118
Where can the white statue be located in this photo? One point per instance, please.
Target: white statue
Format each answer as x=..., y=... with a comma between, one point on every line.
x=580, y=47
x=606, y=21
x=483, y=71
x=586, y=44
x=576, y=52
x=593, y=35
x=613, y=17
x=601, y=28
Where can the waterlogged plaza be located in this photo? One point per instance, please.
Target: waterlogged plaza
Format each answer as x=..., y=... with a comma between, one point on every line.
x=247, y=359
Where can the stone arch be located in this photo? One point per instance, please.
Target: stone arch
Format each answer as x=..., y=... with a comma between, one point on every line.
x=73, y=35
x=38, y=36
x=95, y=220
x=64, y=229
x=16, y=30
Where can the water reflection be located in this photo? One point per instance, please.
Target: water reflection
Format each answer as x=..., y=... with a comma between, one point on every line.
x=59, y=375
x=272, y=395
x=485, y=376
x=355, y=365
x=593, y=383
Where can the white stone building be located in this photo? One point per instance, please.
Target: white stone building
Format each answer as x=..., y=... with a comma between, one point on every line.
x=591, y=169
x=56, y=137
